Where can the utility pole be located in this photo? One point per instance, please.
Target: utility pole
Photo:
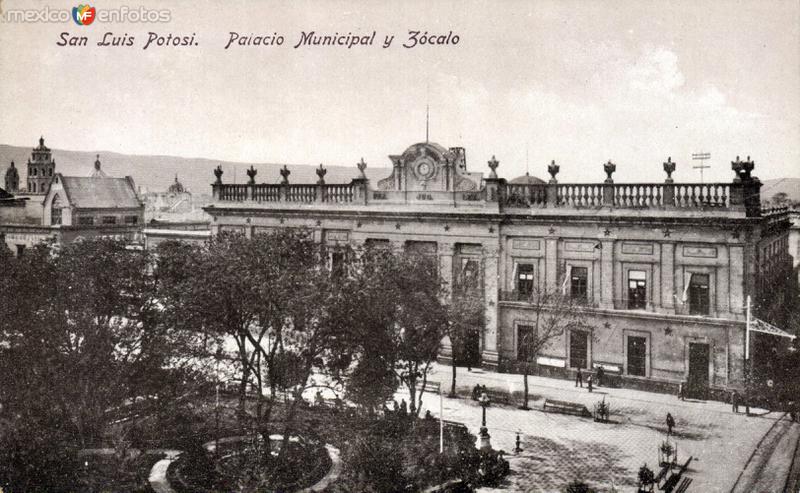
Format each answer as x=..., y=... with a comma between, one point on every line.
x=701, y=156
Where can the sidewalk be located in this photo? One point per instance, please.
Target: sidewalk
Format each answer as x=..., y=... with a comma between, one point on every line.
x=559, y=448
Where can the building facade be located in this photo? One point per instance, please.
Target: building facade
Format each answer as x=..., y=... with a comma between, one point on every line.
x=64, y=209
x=662, y=270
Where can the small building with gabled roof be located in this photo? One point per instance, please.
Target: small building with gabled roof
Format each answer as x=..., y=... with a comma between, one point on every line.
x=92, y=201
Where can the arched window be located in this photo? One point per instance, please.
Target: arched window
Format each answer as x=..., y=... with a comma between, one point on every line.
x=33, y=187
x=55, y=210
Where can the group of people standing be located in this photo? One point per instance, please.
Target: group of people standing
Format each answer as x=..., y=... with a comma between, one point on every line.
x=590, y=380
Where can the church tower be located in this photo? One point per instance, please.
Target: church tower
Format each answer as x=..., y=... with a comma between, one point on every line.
x=41, y=169
x=12, y=179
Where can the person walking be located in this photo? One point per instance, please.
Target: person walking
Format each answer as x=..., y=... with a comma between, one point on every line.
x=735, y=401
x=589, y=382
x=579, y=378
x=600, y=374
x=670, y=423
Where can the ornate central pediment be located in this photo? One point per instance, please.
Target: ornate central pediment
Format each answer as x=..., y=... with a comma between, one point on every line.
x=429, y=166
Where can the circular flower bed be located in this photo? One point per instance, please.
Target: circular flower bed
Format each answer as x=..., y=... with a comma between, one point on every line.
x=242, y=462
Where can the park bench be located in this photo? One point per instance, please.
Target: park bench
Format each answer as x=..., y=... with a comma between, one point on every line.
x=671, y=484
x=454, y=424
x=499, y=396
x=684, y=485
x=565, y=407
x=495, y=396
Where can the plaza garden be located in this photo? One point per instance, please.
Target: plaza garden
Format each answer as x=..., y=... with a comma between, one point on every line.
x=211, y=362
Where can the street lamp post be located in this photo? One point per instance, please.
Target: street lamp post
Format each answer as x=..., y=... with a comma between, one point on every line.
x=484, y=433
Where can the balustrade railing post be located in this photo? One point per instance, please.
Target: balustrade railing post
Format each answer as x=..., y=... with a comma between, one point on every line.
x=737, y=195
x=319, y=195
x=608, y=193
x=669, y=194
x=552, y=193
x=360, y=190
x=752, y=197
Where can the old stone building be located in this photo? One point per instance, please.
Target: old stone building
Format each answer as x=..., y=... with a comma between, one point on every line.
x=70, y=208
x=662, y=270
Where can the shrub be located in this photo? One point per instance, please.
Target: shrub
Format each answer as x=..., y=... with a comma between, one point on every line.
x=578, y=486
x=493, y=467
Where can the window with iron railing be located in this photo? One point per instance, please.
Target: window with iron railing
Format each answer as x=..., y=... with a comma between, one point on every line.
x=637, y=290
x=524, y=280
x=578, y=284
x=698, y=295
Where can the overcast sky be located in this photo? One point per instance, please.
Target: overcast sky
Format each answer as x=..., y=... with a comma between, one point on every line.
x=580, y=82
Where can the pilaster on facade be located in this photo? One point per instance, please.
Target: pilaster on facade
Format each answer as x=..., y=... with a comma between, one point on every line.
x=607, y=274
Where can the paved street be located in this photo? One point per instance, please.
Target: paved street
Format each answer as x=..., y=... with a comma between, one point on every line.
x=561, y=448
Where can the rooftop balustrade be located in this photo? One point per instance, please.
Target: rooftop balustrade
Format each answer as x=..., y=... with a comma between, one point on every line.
x=742, y=194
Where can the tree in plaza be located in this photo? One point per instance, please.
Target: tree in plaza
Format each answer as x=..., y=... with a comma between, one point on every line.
x=549, y=313
x=209, y=289
x=417, y=319
x=465, y=315
x=80, y=339
x=392, y=318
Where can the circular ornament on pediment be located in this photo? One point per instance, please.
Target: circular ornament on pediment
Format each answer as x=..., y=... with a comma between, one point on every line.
x=424, y=168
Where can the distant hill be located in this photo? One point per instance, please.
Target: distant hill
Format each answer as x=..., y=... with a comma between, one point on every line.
x=789, y=186
x=156, y=173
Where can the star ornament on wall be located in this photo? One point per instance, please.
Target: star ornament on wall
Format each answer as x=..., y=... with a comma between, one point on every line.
x=552, y=230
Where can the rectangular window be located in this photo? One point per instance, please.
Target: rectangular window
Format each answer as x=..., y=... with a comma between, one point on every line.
x=637, y=356
x=337, y=264
x=469, y=277
x=131, y=219
x=109, y=220
x=86, y=221
x=525, y=334
x=698, y=294
x=637, y=290
x=55, y=216
x=578, y=349
x=524, y=279
x=578, y=283
x=20, y=250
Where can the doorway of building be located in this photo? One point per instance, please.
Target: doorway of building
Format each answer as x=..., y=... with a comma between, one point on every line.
x=468, y=353
x=697, y=381
x=637, y=356
x=578, y=349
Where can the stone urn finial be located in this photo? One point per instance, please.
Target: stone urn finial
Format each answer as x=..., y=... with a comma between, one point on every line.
x=669, y=168
x=553, y=169
x=285, y=174
x=493, y=164
x=609, y=168
x=251, y=173
x=361, y=167
x=742, y=168
x=218, y=174
x=321, y=172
